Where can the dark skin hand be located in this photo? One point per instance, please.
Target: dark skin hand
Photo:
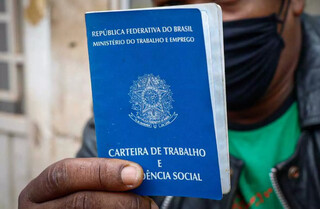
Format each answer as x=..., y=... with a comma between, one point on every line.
x=105, y=183
x=86, y=183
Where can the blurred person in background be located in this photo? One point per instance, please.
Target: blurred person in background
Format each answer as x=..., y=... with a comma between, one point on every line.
x=272, y=53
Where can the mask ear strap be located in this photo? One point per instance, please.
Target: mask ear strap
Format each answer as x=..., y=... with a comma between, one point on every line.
x=285, y=14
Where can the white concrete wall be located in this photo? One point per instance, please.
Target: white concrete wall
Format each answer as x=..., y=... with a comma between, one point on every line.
x=58, y=89
x=15, y=158
x=57, y=95
x=38, y=88
x=313, y=7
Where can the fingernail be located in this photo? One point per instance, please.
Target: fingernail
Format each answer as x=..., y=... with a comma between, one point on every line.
x=130, y=175
x=154, y=205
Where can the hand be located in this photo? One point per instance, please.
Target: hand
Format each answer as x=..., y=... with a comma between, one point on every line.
x=86, y=183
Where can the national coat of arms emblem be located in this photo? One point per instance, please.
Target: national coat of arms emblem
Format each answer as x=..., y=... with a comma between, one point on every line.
x=151, y=99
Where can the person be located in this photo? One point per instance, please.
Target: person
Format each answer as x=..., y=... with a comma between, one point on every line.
x=273, y=92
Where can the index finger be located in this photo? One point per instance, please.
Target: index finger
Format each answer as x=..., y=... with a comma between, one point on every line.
x=89, y=174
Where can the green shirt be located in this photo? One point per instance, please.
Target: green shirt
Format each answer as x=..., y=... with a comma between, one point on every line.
x=261, y=149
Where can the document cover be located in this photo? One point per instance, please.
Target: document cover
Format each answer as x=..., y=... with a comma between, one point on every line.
x=159, y=99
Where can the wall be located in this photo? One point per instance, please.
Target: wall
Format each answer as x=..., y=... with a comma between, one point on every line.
x=72, y=102
x=14, y=158
x=141, y=3
x=313, y=7
x=57, y=94
x=58, y=91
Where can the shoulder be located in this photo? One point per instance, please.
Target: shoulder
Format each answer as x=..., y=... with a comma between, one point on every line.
x=89, y=147
x=308, y=73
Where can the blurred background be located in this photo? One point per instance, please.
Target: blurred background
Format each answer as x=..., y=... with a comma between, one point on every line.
x=45, y=94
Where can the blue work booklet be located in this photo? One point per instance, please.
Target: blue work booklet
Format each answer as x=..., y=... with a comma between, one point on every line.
x=159, y=96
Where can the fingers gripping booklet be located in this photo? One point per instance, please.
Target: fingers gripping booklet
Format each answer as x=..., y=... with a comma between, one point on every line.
x=159, y=96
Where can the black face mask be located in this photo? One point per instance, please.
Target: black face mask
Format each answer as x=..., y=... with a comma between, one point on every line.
x=252, y=52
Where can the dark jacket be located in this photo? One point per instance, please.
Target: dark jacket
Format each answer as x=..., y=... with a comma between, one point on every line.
x=295, y=181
